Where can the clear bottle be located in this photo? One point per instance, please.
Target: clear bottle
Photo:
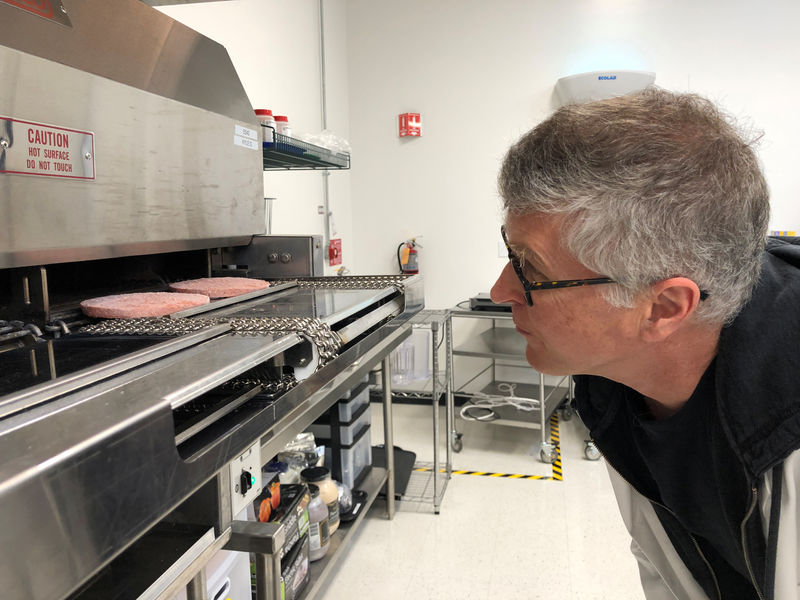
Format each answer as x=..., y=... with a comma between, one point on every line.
x=282, y=124
x=321, y=477
x=318, y=528
x=268, y=126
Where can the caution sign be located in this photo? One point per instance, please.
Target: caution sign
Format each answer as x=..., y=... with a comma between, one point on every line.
x=28, y=148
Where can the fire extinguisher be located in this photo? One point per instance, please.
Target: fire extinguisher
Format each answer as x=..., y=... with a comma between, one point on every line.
x=408, y=257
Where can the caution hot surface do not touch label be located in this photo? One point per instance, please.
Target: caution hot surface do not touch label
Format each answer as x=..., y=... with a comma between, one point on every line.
x=29, y=148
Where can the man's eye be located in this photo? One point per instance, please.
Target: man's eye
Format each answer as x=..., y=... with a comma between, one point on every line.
x=532, y=273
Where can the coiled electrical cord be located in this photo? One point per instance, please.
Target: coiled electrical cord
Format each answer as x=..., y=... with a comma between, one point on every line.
x=485, y=404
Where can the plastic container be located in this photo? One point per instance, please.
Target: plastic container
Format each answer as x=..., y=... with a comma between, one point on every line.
x=350, y=463
x=356, y=459
x=343, y=434
x=267, y=121
x=318, y=529
x=353, y=391
x=349, y=406
x=321, y=477
x=282, y=125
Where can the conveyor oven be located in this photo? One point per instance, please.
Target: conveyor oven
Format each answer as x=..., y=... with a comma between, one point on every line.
x=129, y=437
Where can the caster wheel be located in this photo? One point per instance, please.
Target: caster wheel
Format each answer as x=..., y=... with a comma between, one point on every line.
x=548, y=454
x=591, y=452
x=566, y=413
x=456, y=443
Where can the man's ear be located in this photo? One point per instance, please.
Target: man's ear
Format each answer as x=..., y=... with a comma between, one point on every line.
x=670, y=303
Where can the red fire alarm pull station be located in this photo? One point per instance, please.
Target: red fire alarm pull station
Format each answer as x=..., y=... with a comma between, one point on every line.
x=410, y=124
x=335, y=252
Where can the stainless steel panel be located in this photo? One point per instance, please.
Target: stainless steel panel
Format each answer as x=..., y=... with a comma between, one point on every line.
x=280, y=256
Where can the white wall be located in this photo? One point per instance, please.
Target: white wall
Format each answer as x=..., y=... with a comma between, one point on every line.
x=275, y=47
x=481, y=73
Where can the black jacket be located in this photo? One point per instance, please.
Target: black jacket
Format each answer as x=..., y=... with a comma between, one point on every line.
x=758, y=401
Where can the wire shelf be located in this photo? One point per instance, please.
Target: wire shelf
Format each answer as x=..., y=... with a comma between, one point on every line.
x=285, y=152
x=420, y=485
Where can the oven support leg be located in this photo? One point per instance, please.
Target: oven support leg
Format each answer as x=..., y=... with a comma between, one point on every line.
x=265, y=540
x=268, y=576
x=196, y=589
x=388, y=437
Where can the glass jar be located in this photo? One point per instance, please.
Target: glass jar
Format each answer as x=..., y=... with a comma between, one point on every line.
x=282, y=125
x=268, y=126
x=321, y=477
x=318, y=528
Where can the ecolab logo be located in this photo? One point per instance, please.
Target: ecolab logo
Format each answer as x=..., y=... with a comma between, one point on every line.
x=607, y=77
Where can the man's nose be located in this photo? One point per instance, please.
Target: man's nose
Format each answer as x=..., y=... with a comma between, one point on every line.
x=507, y=288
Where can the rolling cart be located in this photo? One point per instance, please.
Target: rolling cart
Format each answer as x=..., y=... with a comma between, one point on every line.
x=490, y=397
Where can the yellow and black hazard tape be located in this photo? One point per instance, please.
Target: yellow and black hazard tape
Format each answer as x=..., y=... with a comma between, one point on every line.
x=557, y=473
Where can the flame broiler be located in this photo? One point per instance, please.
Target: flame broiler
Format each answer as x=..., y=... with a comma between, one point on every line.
x=123, y=441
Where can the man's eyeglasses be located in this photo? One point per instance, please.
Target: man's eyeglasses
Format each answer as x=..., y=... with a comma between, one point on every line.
x=533, y=286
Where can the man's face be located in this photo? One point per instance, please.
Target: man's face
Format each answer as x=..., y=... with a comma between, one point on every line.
x=568, y=330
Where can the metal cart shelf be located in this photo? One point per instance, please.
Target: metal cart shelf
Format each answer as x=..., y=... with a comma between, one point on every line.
x=503, y=399
x=428, y=482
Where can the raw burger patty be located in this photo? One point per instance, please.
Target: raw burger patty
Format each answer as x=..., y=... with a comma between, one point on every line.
x=145, y=304
x=219, y=287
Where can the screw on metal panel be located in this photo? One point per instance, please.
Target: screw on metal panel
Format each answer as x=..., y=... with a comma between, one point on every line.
x=4, y=143
x=64, y=10
x=88, y=155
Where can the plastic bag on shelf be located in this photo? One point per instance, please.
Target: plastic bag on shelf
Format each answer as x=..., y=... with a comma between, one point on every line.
x=326, y=139
x=302, y=442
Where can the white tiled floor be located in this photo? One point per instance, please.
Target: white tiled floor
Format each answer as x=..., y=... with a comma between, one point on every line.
x=494, y=537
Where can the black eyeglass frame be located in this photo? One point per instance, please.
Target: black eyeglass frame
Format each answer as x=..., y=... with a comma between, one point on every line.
x=534, y=286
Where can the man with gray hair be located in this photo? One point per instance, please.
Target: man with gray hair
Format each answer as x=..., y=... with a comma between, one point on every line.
x=638, y=262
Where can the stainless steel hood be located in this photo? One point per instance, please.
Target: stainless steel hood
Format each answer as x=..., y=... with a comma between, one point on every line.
x=162, y=146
